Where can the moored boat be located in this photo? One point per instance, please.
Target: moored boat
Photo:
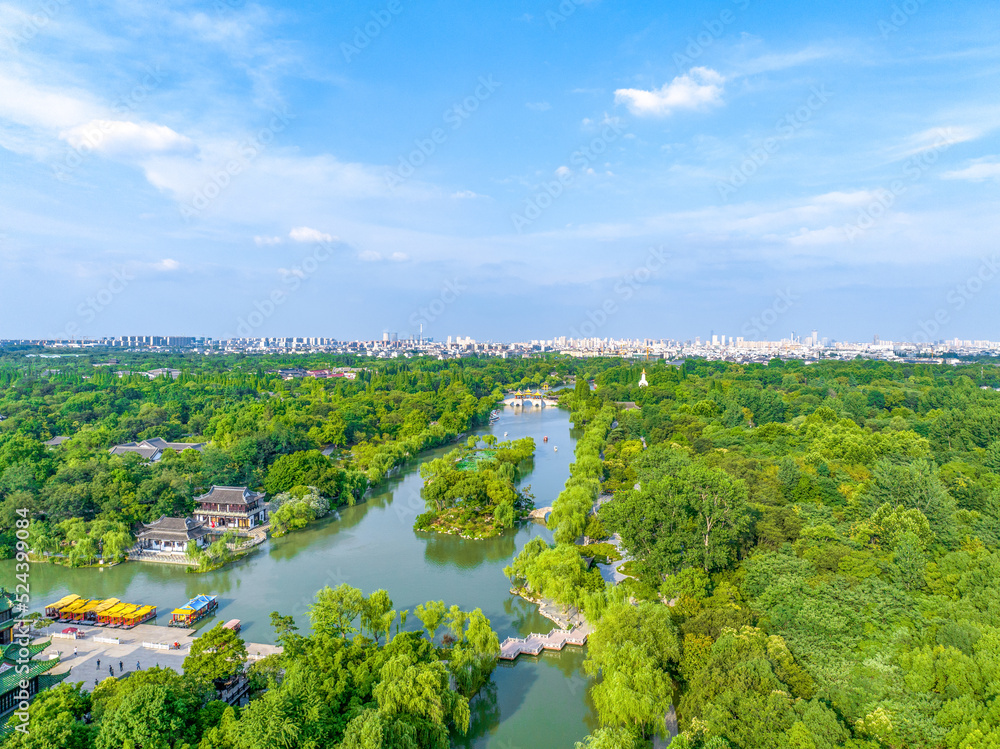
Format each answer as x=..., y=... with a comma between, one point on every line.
x=193, y=611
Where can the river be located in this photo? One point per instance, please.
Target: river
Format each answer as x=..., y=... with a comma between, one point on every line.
x=539, y=702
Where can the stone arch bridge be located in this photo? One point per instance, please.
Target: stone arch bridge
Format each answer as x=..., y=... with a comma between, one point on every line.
x=525, y=399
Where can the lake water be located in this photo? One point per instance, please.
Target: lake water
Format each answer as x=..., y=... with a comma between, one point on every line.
x=539, y=702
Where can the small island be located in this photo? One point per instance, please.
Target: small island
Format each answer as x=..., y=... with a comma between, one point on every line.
x=472, y=491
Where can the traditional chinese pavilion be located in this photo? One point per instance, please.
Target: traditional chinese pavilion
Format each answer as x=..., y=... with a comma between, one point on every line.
x=235, y=508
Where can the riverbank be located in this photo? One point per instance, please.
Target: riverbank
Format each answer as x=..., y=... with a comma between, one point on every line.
x=541, y=702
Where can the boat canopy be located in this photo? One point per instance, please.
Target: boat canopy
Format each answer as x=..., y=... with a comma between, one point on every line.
x=75, y=607
x=196, y=604
x=62, y=602
x=107, y=603
x=141, y=614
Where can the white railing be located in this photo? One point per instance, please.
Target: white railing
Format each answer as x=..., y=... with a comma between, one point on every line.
x=109, y=640
x=156, y=645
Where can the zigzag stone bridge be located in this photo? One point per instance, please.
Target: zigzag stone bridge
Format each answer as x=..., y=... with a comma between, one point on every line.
x=535, y=643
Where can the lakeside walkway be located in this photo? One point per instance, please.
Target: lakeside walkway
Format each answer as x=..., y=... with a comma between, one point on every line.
x=535, y=643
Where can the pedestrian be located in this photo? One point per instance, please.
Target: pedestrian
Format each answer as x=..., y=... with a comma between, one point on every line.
x=111, y=670
x=137, y=666
x=74, y=651
x=98, y=664
x=95, y=682
x=120, y=667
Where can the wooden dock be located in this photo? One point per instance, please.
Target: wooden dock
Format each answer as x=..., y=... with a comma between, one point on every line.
x=535, y=643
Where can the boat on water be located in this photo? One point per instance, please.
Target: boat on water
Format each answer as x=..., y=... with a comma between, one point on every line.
x=545, y=438
x=233, y=624
x=555, y=449
x=106, y=612
x=193, y=611
x=505, y=434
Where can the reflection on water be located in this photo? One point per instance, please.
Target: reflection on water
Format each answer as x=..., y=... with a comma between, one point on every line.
x=467, y=554
x=536, y=703
x=484, y=711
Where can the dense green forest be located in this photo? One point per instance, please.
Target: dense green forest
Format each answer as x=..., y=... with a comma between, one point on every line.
x=263, y=432
x=813, y=554
x=812, y=550
x=472, y=491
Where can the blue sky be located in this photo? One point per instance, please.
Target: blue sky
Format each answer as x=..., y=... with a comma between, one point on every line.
x=524, y=170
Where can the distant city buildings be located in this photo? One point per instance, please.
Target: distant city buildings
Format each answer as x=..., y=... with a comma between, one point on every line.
x=723, y=346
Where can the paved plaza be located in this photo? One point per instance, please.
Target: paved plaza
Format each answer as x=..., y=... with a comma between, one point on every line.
x=129, y=653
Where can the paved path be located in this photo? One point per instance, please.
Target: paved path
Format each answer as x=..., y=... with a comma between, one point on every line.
x=670, y=724
x=130, y=653
x=535, y=643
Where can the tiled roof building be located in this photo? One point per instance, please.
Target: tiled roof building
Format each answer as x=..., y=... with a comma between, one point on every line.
x=231, y=508
x=152, y=449
x=14, y=657
x=171, y=534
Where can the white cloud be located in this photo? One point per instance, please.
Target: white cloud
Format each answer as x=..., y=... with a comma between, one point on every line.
x=978, y=171
x=698, y=89
x=465, y=194
x=781, y=61
x=307, y=234
x=369, y=256
x=36, y=106
x=399, y=257
x=938, y=138
x=166, y=265
x=267, y=241
x=539, y=106
x=563, y=171
x=118, y=137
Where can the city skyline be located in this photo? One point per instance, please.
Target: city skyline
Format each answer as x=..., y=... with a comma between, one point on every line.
x=694, y=168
